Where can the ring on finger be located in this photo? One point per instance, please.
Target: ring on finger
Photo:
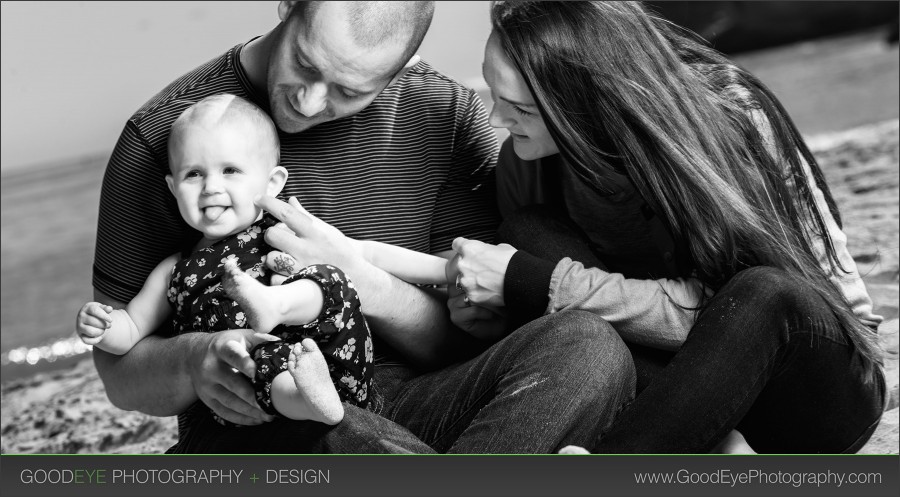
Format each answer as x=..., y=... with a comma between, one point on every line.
x=466, y=301
x=458, y=283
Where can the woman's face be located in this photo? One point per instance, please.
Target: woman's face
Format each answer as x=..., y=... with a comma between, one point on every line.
x=514, y=106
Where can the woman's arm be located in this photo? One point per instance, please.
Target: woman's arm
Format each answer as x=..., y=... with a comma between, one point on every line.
x=656, y=313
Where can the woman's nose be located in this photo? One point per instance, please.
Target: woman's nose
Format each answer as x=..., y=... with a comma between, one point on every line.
x=499, y=118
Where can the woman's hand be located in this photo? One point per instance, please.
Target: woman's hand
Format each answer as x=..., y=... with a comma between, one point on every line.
x=480, y=271
x=482, y=322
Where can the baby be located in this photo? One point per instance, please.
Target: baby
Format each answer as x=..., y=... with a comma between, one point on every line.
x=223, y=152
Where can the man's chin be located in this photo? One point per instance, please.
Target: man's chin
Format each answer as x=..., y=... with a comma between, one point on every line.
x=293, y=125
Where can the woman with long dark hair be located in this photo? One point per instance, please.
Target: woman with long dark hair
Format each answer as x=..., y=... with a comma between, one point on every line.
x=649, y=180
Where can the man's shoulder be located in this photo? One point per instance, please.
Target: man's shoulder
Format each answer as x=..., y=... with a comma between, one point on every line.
x=217, y=75
x=424, y=83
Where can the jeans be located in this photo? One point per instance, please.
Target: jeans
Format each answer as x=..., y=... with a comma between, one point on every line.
x=559, y=380
x=766, y=357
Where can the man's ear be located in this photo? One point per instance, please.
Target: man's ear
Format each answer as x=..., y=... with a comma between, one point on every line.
x=277, y=179
x=285, y=7
x=171, y=182
x=402, y=72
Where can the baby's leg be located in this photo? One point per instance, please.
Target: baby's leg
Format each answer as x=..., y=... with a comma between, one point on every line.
x=294, y=382
x=305, y=390
x=265, y=307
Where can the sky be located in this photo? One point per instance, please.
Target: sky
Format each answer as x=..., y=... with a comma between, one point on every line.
x=73, y=72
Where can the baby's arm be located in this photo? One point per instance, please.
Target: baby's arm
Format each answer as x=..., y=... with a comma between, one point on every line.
x=408, y=265
x=117, y=330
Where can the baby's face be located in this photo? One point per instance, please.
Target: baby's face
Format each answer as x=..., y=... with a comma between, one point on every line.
x=216, y=173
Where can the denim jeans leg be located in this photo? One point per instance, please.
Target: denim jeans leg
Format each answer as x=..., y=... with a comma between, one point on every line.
x=360, y=432
x=767, y=356
x=556, y=381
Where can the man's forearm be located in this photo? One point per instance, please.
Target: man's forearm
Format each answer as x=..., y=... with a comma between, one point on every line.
x=152, y=377
x=413, y=320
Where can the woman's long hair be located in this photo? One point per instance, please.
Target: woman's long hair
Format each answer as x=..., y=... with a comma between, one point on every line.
x=704, y=142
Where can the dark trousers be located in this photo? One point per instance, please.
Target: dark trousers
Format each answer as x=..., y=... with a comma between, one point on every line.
x=766, y=357
x=556, y=381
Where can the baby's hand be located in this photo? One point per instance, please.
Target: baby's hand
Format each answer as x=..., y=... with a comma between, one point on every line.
x=93, y=321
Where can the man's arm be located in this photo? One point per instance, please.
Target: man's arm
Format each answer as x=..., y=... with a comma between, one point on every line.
x=152, y=357
x=413, y=320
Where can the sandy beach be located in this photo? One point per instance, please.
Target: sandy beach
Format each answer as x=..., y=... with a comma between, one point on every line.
x=49, y=215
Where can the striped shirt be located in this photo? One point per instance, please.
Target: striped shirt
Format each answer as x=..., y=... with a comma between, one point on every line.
x=414, y=169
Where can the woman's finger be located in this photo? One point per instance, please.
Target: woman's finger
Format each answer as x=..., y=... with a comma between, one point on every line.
x=459, y=244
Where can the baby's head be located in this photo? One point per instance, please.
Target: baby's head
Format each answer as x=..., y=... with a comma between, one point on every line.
x=223, y=151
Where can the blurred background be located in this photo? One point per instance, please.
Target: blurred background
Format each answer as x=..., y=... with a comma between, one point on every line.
x=73, y=72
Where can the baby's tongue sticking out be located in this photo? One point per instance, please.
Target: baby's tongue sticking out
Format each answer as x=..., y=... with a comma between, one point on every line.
x=213, y=213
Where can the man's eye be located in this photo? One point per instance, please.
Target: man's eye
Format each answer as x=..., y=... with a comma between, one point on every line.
x=305, y=67
x=348, y=95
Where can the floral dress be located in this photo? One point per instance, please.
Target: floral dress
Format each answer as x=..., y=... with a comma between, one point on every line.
x=341, y=332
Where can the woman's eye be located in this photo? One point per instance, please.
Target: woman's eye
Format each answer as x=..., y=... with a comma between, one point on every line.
x=522, y=111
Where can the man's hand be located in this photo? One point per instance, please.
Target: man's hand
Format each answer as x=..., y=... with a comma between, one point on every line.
x=483, y=322
x=304, y=239
x=228, y=393
x=92, y=322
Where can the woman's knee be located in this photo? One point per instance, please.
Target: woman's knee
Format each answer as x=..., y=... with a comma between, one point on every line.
x=779, y=290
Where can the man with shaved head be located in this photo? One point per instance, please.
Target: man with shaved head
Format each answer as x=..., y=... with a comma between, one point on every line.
x=379, y=146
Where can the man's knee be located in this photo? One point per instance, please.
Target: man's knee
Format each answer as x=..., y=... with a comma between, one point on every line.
x=584, y=342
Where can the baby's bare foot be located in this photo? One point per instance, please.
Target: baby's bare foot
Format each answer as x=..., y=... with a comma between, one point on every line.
x=734, y=443
x=310, y=371
x=260, y=310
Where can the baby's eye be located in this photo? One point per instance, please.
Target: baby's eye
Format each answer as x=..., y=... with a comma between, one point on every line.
x=231, y=170
x=192, y=174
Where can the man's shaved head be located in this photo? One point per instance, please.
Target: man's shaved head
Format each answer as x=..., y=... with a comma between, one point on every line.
x=376, y=23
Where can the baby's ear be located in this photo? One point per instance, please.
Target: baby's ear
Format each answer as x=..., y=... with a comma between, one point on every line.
x=171, y=182
x=277, y=179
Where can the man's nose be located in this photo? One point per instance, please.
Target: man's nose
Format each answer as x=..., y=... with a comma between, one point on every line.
x=311, y=99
